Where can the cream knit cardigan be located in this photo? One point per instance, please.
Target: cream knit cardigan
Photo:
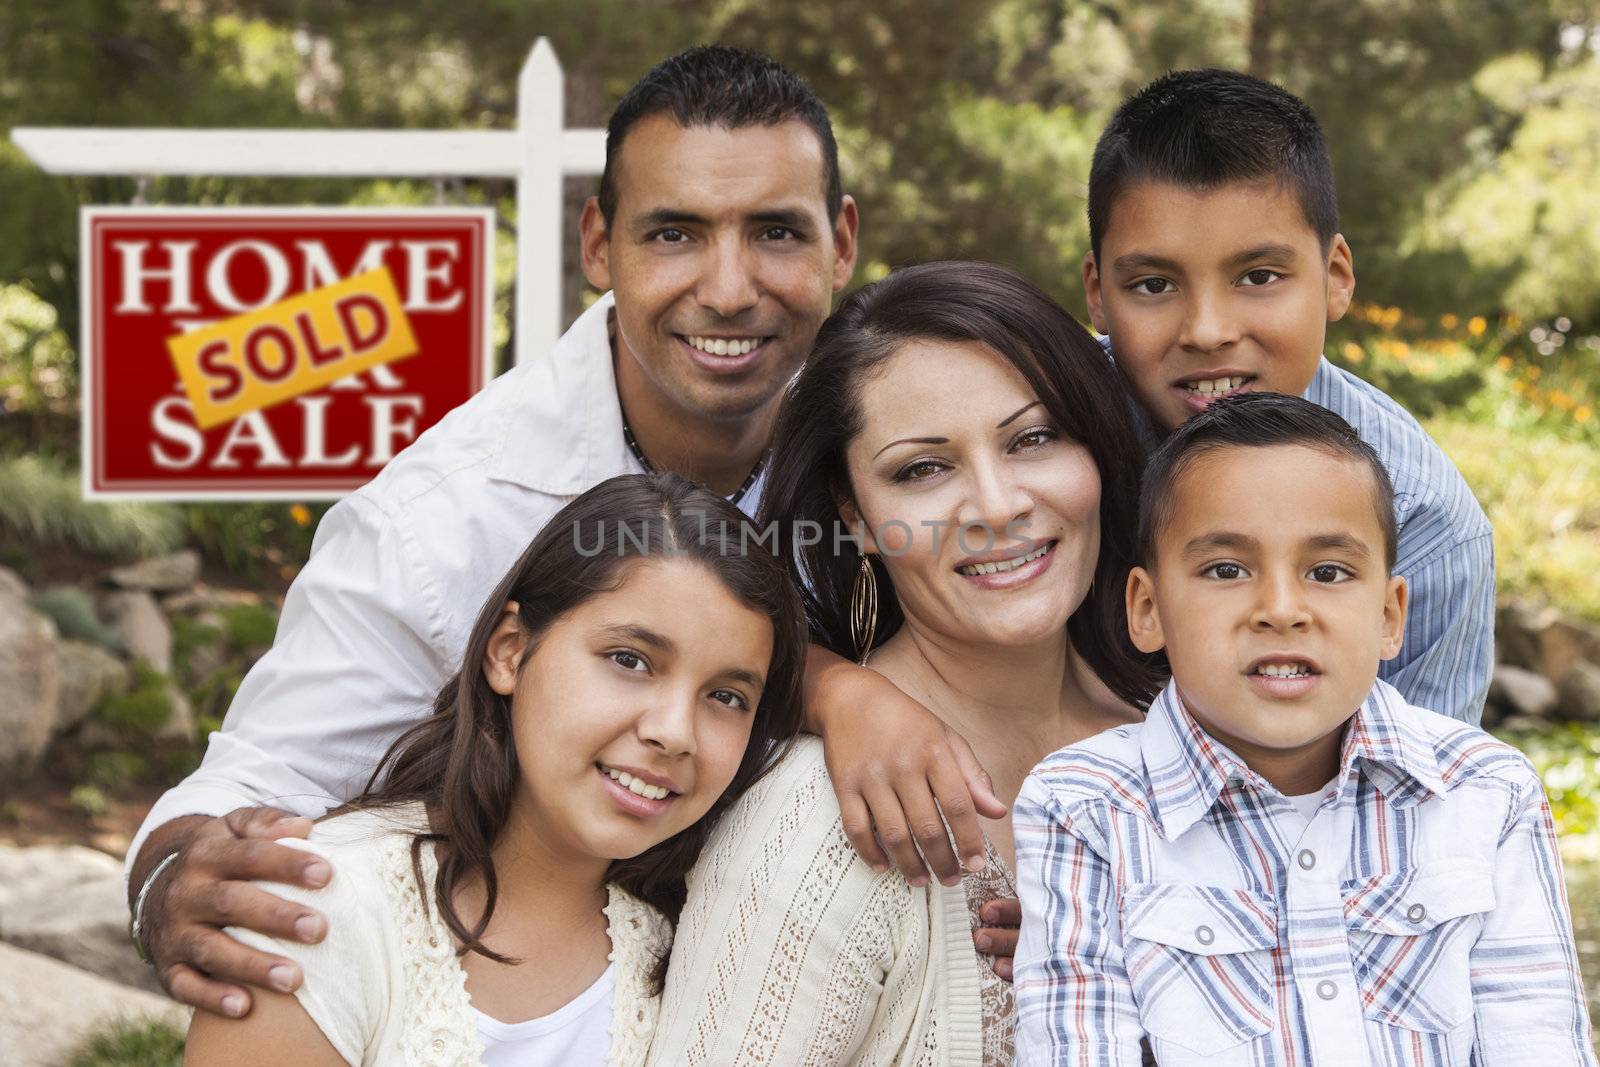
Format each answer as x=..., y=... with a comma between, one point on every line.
x=386, y=987
x=791, y=951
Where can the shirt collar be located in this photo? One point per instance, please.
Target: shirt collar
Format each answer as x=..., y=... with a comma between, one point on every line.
x=1188, y=770
x=561, y=425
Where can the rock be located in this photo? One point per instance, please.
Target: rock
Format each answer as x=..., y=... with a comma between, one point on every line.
x=1580, y=693
x=88, y=674
x=1522, y=692
x=30, y=683
x=160, y=574
x=1543, y=640
x=145, y=631
x=180, y=724
x=68, y=902
x=47, y=1008
x=12, y=585
x=1516, y=634
x=1564, y=643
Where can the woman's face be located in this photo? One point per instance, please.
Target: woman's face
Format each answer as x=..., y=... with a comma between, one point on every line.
x=987, y=516
x=632, y=713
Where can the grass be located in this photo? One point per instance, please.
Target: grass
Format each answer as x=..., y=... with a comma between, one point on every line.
x=125, y=1043
x=41, y=500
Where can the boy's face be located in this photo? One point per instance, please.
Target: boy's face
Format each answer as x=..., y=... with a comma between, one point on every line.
x=1271, y=595
x=1207, y=292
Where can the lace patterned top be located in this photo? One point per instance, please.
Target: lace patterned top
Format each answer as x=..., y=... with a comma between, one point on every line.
x=386, y=987
x=995, y=994
x=793, y=952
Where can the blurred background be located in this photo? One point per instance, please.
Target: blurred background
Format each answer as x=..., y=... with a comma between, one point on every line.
x=1466, y=140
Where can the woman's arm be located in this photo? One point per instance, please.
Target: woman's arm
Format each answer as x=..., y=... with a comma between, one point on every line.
x=277, y=1031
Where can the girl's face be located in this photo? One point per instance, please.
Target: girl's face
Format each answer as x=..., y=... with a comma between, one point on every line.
x=986, y=513
x=632, y=713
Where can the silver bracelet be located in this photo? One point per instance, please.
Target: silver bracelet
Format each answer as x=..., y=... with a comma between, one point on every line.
x=136, y=929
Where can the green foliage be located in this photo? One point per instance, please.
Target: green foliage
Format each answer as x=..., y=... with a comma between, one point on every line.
x=188, y=636
x=74, y=613
x=131, y=1043
x=254, y=540
x=41, y=500
x=250, y=627
x=1568, y=760
x=89, y=801
x=114, y=771
x=143, y=710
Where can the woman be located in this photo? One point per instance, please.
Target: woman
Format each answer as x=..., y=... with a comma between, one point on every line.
x=504, y=890
x=981, y=442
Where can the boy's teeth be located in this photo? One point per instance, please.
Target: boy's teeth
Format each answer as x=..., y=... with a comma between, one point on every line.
x=1004, y=565
x=1216, y=386
x=636, y=785
x=724, y=346
x=1283, y=670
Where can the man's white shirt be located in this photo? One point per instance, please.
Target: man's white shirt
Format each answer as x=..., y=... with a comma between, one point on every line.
x=378, y=619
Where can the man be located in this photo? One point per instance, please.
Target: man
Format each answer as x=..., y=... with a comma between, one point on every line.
x=722, y=233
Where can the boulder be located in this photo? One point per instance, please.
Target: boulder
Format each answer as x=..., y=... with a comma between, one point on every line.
x=12, y=585
x=160, y=574
x=1516, y=634
x=69, y=903
x=1544, y=640
x=1522, y=692
x=47, y=1008
x=30, y=683
x=1580, y=693
x=88, y=674
x=145, y=632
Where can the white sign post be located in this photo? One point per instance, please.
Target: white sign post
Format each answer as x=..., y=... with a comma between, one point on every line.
x=538, y=154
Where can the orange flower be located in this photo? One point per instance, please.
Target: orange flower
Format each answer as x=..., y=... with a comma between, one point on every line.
x=300, y=514
x=1583, y=414
x=1503, y=364
x=1354, y=353
x=1476, y=325
x=1449, y=321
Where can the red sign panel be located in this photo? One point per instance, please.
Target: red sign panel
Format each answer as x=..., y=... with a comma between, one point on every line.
x=261, y=287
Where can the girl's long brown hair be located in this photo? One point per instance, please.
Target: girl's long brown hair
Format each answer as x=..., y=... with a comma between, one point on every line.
x=461, y=762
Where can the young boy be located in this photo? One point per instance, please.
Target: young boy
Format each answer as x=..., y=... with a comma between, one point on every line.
x=1215, y=267
x=1286, y=863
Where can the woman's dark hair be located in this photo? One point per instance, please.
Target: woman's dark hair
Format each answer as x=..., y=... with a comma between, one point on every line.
x=461, y=761
x=1067, y=370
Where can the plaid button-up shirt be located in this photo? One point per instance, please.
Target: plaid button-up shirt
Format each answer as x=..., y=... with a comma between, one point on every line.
x=1418, y=918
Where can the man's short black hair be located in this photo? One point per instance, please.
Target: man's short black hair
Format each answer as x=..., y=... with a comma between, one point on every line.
x=1204, y=128
x=717, y=85
x=1256, y=420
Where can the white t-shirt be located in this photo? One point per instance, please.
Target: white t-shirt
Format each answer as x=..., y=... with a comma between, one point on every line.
x=1308, y=803
x=577, y=1034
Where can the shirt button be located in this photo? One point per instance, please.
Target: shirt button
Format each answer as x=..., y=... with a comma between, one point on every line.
x=1327, y=990
x=1307, y=859
x=1416, y=913
x=1204, y=935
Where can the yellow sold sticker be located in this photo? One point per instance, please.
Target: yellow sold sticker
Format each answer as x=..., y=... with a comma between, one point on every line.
x=276, y=353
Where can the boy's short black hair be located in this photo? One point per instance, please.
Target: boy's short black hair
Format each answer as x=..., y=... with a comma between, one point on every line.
x=1256, y=420
x=1204, y=128
x=717, y=85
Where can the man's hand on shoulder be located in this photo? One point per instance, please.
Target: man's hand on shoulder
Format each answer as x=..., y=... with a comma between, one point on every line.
x=207, y=887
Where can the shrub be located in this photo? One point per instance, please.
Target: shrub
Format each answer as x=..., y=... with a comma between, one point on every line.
x=41, y=499
x=75, y=616
x=145, y=709
x=249, y=626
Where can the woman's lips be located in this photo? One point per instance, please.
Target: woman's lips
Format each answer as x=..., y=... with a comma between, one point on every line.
x=629, y=801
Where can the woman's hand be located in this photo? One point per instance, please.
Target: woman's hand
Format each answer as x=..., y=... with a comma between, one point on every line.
x=896, y=768
x=997, y=936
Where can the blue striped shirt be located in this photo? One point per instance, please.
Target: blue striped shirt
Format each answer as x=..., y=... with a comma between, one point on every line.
x=1446, y=552
x=1417, y=918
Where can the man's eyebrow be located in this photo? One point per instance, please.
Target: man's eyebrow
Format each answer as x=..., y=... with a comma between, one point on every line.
x=1139, y=261
x=912, y=441
x=1008, y=420
x=1281, y=253
x=628, y=631
x=793, y=217
x=1219, y=539
x=1340, y=542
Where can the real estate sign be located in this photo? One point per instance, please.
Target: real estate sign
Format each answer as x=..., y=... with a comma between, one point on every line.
x=260, y=353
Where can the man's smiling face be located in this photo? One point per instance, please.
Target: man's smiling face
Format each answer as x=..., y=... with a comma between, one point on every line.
x=1211, y=291
x=723, y=260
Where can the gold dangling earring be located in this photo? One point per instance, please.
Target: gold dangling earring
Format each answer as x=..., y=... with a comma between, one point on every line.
x=864, y=610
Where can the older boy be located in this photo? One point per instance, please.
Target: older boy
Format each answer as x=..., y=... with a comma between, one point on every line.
x=1215, y=266
x=1286, y=863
